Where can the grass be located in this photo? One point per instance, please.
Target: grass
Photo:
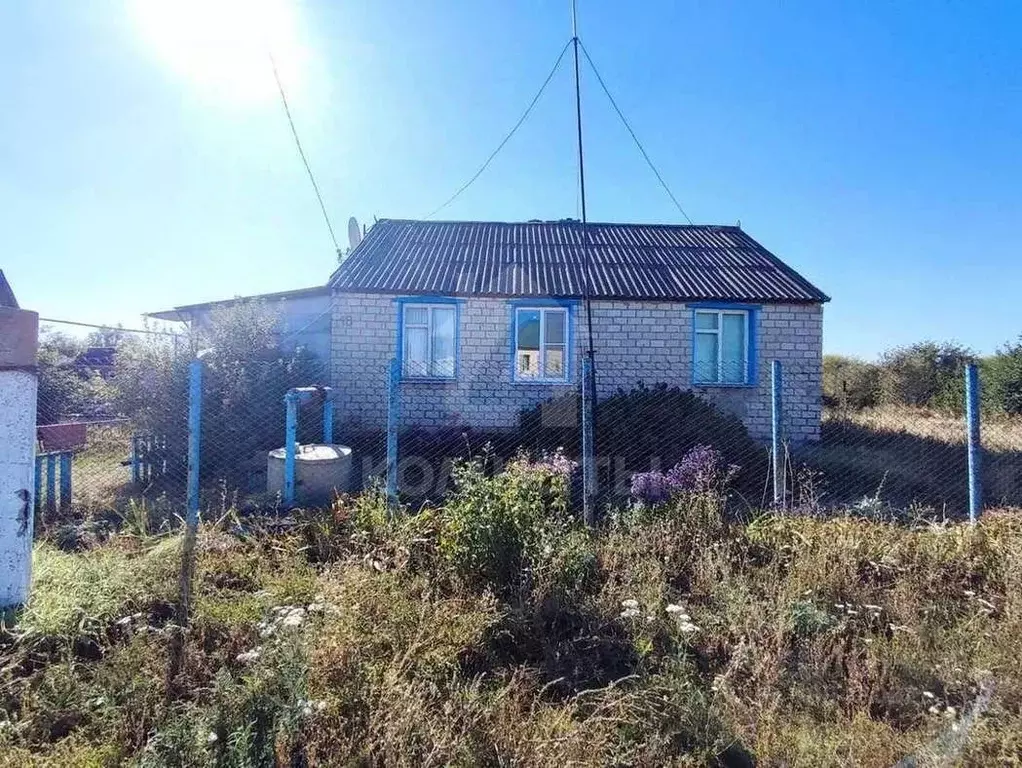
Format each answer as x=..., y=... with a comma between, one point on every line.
x=671, y=636
x=914, y=456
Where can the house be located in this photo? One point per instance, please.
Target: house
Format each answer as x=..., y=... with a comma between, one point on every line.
x=303, y=316
x=488, y=318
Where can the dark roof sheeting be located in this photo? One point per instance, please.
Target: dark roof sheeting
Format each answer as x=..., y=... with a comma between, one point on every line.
x=628, y=261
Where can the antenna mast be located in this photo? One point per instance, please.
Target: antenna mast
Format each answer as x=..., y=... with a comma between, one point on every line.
x=582, y=187
x=588, y=367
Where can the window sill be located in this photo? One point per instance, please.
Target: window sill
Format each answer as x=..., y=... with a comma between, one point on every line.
x=544, y=382
x=428, y=380
x=723, y=385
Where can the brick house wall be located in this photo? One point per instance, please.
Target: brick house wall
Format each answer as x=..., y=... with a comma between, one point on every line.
x=634, y=341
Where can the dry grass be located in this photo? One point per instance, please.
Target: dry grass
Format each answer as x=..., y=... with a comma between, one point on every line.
x=999, y=433
x=816, y=642
x=917, y=458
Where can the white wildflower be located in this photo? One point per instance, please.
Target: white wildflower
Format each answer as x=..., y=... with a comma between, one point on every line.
x=934, y=710
x=950, y=713
x=688, y=627
x=249, y=657
x=629, y=613
x=630, y=604
x=315, y=608
x=211, y=738
x=320, y=705
x=294, y=618
x=672, y=608
x=929, y=695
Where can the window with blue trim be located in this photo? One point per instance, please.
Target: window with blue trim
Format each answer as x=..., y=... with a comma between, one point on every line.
x=429, y=333
x=541, y=343
x=721, y=346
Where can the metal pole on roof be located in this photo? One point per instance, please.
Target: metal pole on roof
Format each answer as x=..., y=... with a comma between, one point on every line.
x=588, y=364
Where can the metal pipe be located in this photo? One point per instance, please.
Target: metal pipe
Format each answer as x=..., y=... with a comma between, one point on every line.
x=290, y=447
x=972, y=418
x=194, y=430
x=777, y=432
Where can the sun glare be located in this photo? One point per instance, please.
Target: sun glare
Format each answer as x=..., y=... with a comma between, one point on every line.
x=222, y=46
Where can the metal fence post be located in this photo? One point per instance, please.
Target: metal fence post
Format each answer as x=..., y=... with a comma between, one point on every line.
x=588, y=444
x=328, y=421
x=191, y=523
x=972, y=418
x=290, y=446
x=194, y=429
x=777, y=432
x=65, y=481
x=393, y=414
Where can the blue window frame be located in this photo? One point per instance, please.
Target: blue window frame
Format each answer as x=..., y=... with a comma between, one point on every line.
x=724, y=344
x=428, y=337
x=542, y=341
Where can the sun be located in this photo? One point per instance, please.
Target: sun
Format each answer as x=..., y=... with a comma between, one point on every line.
x=222, y=47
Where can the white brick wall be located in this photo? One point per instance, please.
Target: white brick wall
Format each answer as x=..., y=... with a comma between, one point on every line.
x=634, y=341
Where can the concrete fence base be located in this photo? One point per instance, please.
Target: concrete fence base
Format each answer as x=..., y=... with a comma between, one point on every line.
x=19, y=338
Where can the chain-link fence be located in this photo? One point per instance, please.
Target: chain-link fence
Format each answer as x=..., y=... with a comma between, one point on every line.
x=113, y=431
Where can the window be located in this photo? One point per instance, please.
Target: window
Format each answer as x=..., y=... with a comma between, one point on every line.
x=721, y=346
x=429, y=333
x=541, y=344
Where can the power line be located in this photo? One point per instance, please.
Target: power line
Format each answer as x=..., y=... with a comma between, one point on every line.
x=507, y=138
x=634, y=137
x=107, y=327
x=301, y=152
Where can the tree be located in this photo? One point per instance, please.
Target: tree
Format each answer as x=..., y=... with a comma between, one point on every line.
x=849, y=382
x=64, y=389
x=925, y=374
x=1002, y=379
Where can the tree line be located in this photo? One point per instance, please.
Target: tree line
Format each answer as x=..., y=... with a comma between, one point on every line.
x=927, y=374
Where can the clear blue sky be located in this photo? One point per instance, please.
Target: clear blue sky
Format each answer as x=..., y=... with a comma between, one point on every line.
x=877, y=147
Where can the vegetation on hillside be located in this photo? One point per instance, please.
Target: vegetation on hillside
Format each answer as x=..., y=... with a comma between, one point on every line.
x=496, y=630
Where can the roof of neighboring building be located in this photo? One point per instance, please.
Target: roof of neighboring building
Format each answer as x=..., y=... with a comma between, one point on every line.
x=545, y=258
x=183, y=312
x=7, y=298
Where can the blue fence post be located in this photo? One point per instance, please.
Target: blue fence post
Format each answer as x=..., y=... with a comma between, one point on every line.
x=972, y=418
x=290, y=445
x=777, y=431
x=588, y=444
x=328, y=421
x=51, y=482
x=65, y=481
x=194, y=429
x=393, y=415
x=38, y=482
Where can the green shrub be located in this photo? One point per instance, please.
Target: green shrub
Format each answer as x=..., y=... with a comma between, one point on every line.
x=245, y=378
x=646, y=428
x=849, y=382
x=926, y=374
x=1002, y=379
x=493, y=529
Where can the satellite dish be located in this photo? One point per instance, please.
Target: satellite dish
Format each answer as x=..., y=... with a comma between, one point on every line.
x=354, y=233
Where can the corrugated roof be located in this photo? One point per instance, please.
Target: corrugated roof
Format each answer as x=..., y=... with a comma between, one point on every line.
x=544, y=258
x=181, y=313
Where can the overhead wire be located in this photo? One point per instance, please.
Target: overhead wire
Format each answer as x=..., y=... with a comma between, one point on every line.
x=301, y=152
x=635, y=138
x=507, y=138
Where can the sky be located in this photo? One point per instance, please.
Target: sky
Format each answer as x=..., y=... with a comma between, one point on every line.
x=146, y=161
